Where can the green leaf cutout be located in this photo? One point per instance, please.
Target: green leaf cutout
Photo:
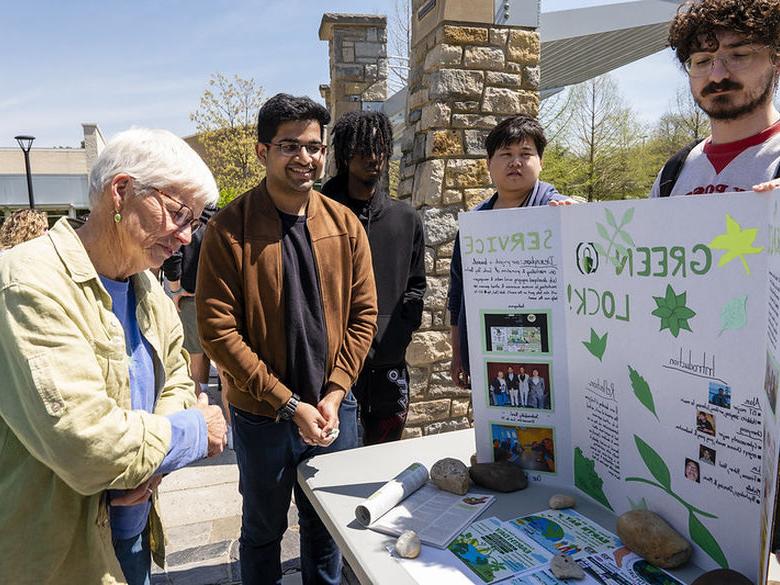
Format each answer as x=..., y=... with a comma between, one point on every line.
x=733, y=315
x=703, y=537
x=642, y=391
x=654, y=463
x=626, y=237
x=597, y=345
x=672, y=311
x=600, y=249
x=737, y=243
x=610, y=218
x=627, y=216
x=602, y=231
x=587, y=478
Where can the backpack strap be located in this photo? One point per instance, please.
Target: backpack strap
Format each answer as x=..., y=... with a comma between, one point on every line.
x=673, y=167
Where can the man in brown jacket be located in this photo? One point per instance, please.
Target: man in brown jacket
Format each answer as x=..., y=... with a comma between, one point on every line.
x=286, y=305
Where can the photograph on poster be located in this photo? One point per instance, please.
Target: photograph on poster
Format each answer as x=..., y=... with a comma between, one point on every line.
x=692, y=470
x=770, y=381
x=720, y=395
x=519, y=385
x=532, y=448
x=516, y=333
x=705, y=422
x=707, y=455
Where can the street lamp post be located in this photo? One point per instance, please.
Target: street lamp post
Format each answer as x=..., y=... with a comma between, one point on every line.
x=25, y=143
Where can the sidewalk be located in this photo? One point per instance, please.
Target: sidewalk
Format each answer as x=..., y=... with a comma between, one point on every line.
x=201, y=513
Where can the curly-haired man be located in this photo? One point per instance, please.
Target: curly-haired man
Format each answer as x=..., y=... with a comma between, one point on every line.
x=729, y=49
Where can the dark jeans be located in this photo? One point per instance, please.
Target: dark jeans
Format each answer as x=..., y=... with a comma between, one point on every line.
x=135, y=558
x=268, y=454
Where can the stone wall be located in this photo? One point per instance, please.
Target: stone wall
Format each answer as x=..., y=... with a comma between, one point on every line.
x=357, y=50
x=463, y=80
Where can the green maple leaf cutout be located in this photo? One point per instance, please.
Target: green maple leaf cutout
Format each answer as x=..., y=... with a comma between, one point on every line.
x=597, y=345
x=733, y=315
x=673, y=312
x=737, y=242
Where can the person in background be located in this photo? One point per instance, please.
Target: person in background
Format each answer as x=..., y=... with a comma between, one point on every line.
x=363, y=144
x=97, y=402
x=729, y=52
x=22, y=225
x=515, y=148
x=286, y=306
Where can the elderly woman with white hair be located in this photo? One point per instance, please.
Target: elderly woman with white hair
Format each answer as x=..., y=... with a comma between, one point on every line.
x=97, y=403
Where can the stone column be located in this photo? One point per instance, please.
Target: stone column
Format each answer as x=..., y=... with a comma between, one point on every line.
x=357, y=49
x=465, y=77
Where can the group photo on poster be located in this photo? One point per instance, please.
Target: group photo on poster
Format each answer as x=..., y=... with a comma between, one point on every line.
x=532, y=448
x=519, y=385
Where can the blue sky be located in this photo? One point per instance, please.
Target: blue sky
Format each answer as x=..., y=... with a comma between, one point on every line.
x=146, y=62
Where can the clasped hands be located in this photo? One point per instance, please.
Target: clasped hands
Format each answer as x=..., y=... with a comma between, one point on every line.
x=319, y=426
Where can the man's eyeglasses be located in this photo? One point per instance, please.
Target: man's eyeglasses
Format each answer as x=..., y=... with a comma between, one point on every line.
x=293, y=148
x=737, y=59
x=183, y=215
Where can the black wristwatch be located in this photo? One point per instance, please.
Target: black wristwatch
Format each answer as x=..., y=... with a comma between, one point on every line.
x=287, y=411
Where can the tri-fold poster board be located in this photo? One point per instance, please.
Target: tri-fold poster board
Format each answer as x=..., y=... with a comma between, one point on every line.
x=630, y=349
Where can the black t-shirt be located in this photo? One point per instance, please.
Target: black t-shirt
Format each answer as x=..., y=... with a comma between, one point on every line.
x=306, y=336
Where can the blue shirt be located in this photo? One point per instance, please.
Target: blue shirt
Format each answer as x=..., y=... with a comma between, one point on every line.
x=189, y=439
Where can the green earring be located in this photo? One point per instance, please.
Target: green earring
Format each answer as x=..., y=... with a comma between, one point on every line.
x=117, y=217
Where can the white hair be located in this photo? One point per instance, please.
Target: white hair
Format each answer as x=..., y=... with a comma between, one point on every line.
x=156, y=159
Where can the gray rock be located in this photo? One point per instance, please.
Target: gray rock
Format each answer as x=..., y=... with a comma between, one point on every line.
x=408, y=545
x=501, y=476
x=451, y=475
x=649, y=536
x=564, y=567
x=561, y=501
x=722, y=577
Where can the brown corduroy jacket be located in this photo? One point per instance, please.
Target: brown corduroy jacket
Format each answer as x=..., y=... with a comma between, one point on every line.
x=240, y=301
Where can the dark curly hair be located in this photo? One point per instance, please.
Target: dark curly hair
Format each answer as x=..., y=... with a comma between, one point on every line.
x=697, y=22
x=364, y=133
x=516, y=129
x=286, y=108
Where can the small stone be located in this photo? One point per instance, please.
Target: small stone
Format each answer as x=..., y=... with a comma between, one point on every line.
x=561, y=501
x=565, y=567
x=451, y=475
x=408, y=545
x=649, y=536
x=722, y=577
x=501, y=477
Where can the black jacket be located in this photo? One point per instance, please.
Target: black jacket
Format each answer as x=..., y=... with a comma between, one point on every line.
x=395, y=234
x=183, y=265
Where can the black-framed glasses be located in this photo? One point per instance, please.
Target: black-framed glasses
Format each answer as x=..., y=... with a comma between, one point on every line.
x=293, y=148
x=183, y=215
x=736, y=59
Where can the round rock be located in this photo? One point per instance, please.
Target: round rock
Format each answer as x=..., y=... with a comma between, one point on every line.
x=722, y=577
x=408, y=545
x=561, y=501
x=501, y=477
x=649, y=536
x=564, y=567
x=451, y=475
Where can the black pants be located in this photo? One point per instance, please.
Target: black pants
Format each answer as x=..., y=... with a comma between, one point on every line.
x=383, y=398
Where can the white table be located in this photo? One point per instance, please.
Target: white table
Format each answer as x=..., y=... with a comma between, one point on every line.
x=337, y=482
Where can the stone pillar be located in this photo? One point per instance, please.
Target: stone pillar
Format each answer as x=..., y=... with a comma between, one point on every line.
x=357, y=49
x=93, y=143
x=465, y=77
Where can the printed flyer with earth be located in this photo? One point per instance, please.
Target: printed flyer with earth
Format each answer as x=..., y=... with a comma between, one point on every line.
x=630, y=349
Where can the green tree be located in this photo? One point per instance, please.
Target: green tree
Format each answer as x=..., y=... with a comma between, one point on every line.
x=225, y=123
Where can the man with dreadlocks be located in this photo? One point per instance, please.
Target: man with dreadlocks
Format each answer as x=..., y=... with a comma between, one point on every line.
x=363, y=143
x=729, y=49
